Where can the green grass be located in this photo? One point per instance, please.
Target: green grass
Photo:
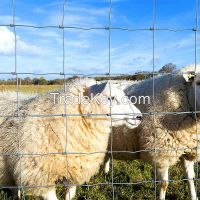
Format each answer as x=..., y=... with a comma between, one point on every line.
x=127, y=172
x=133, y=172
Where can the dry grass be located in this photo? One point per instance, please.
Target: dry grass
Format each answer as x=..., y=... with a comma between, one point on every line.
x=31, y=88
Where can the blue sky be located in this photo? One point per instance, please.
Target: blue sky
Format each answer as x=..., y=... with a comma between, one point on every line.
x=40, y=50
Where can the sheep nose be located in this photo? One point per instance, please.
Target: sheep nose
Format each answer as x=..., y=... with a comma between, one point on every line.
x=139, y=117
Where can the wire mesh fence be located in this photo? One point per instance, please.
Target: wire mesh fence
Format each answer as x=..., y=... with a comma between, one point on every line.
x=64, y=75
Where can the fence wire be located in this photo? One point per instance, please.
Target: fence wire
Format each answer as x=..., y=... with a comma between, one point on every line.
x=64, y=74
x=20, y=186
x=195, y=61
x=153, y=103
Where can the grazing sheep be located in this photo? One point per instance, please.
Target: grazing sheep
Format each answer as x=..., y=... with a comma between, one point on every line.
x=54, y=146
x=170, y=136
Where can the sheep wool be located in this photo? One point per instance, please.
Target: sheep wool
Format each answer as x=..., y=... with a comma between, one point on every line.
x=171, y=133
x=53, y=146
x=8, y=102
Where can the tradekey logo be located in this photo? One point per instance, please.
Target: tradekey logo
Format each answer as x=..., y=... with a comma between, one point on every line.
x=99, y=99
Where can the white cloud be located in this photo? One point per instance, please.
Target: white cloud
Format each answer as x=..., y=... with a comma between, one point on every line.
x=104, y=11
x=77, y=43
x=7, y=44
x=7, y=19
x=7, y=40
x=76, y=14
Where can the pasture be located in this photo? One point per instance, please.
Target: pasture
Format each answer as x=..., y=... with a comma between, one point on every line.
x=30, y=88
x=126, y=172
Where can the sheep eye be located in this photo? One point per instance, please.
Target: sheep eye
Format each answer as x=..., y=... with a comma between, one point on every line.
x=111, y=98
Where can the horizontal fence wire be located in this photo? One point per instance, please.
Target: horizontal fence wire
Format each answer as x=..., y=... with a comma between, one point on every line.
x=98, y=152
x=102, y=115
x=100, y=28
x=103, y=184
x=95, y=75
x=110, y=30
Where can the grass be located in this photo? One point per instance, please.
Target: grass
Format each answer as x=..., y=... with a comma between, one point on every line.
x=127, y=172
x=133, y=172
x=136, y=172
x=31, y=88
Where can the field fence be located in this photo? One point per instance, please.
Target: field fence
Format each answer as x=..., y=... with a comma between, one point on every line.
x=64, y=75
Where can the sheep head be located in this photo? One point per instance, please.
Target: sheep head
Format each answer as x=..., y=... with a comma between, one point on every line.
x=193, y=81
x=112, y=99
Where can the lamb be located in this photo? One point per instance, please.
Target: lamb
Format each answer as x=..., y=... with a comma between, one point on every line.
x=168, y=137
x=53, y=147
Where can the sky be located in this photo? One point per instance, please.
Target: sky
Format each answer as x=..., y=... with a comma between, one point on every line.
x=87, y=51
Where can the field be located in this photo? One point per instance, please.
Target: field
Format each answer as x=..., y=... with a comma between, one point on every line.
x=125, y=172
x=30, y=88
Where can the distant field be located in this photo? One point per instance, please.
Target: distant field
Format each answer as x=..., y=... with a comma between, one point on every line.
x=31, y=88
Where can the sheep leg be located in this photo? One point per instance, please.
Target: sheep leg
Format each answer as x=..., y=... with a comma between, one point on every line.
x=190, y=175
x=50, y=195
x=107, y=166
x=71, y=193
x=19, y=194
x=162, y=175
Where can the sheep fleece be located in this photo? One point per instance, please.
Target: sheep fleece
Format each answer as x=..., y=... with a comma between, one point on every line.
x=45, y=136
x=171, y=134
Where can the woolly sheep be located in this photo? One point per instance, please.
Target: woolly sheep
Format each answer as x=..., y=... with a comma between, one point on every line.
x=43, y=141
x=173, y=135
x=8, y=102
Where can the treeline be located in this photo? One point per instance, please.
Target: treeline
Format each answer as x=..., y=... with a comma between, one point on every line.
x=31, y=81
x=135, y=77
x=141, y=75
x=43, y=81
x=168, y=68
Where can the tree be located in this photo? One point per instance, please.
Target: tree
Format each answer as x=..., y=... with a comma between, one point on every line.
x=35, y=81
x=140, y=76
x=27, y=81
x=42, y=81
x=168, y=68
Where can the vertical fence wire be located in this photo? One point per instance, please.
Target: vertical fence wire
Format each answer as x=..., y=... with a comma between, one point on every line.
x=65, y=89
x=110, y=91
x=153, y=102
x=20, y=186
x=195, y=98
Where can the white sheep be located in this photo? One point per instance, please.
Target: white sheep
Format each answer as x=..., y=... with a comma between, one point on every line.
x=55, y=146
x=8, y=102
x=170, y=136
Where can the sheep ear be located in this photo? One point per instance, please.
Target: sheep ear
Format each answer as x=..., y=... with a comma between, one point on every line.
x=189, y=77
x=97, y=89
x=86, y=108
